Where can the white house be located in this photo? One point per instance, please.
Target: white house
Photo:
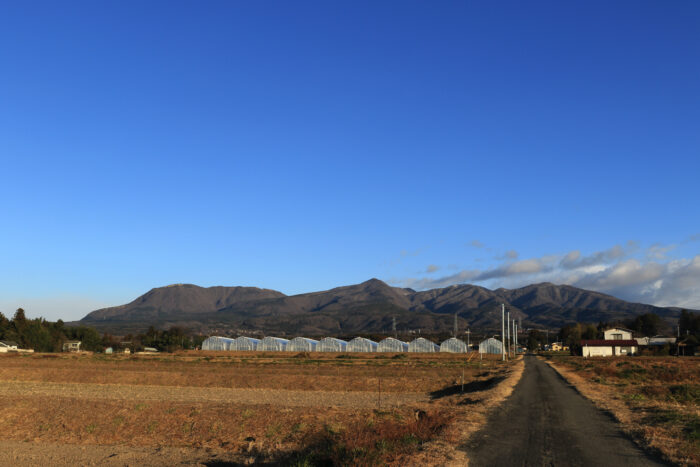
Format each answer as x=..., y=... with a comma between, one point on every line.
x=71, y=346
x=619, y=334
x=618, y=341
x=8, y=346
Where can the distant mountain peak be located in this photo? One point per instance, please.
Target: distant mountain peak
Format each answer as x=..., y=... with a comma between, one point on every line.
x=369, y=307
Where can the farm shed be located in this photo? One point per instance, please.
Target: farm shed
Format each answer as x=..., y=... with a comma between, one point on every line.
x=453, y=345
x=491, y=345
x=392, y=345
x=361, y=344
x=302, y=344
x=608, y=347
x=422, y=345
x=331, y=344
x=245, y=343
x=217, y=343
x=273, y=344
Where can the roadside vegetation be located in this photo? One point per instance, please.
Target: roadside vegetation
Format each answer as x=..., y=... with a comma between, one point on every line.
x=657, y=399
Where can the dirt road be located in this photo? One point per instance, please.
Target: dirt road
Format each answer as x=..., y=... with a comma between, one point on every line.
x=545, y=422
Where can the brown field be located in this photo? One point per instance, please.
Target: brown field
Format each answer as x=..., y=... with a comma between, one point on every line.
x=657, y=399
x=244, y=407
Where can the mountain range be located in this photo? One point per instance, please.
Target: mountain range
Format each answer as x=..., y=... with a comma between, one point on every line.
x=369, y=307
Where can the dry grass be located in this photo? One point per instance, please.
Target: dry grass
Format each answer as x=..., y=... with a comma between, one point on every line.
x=312, y=372
x=656, y=399
x=45, y=411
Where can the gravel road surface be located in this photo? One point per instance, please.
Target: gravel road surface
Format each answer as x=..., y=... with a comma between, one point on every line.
x=545, y=422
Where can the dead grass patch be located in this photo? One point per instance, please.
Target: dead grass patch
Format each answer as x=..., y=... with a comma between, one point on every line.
x=418, y=433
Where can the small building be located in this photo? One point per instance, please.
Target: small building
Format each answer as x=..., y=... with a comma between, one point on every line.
x=454, y=345
x=422, y=345
x=302, y=344
x=8, y=346
x=362, y=344
x=273, y=344
x=71, y=346
x=491, y=345
x=392, y=345
x=656, y=341
x=217, y=343
x=331, y=344
x=243, y=343
x=608, y=347
x=558, y=347
x=150, y=350
x=109, y=350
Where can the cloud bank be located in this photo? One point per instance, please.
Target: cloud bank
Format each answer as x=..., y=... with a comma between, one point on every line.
x=645, y=276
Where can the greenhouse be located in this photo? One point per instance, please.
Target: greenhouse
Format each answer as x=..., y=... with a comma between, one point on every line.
x=217, y=343
x=302, y=344
x=491, y=345
x=392, y=345
x=331, y=344
x=361, y=344
x=453, y=345
x=245, y=343
x=273, y=344
x=422, y=345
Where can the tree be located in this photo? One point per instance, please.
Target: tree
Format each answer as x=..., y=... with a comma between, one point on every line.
x=19, y=318
x=689, y=323
x=647, y=324
x=535, y=339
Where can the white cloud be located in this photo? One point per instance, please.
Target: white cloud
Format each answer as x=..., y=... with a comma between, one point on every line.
x=658, y=251
x=431, y=268
x=510, y=254
x=649, y=277
x=476, y=244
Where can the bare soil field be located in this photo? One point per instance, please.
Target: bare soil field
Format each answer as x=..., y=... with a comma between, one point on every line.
x=213, y=408
x=656, y=399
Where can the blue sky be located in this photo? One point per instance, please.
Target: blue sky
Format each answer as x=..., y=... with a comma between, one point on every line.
x=305, y=145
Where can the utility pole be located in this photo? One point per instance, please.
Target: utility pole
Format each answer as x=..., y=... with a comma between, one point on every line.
x=508, y=325
x=468, y=332
x=503, y=332
x=456, y=329
x=393, y=326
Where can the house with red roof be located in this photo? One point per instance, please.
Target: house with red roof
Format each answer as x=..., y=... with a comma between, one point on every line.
x=616, y=342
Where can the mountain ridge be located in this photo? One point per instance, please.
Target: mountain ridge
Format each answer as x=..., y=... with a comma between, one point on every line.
x=370, y=306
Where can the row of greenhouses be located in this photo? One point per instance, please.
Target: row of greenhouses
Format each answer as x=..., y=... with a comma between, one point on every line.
x=358, y=344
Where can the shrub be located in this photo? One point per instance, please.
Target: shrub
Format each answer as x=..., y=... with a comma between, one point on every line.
x=380, y=443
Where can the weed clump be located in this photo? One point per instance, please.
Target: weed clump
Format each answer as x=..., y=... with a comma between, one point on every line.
x=386, y=441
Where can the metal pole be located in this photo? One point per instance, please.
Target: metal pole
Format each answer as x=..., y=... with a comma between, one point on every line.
x=503, y=332
x=508, y=332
